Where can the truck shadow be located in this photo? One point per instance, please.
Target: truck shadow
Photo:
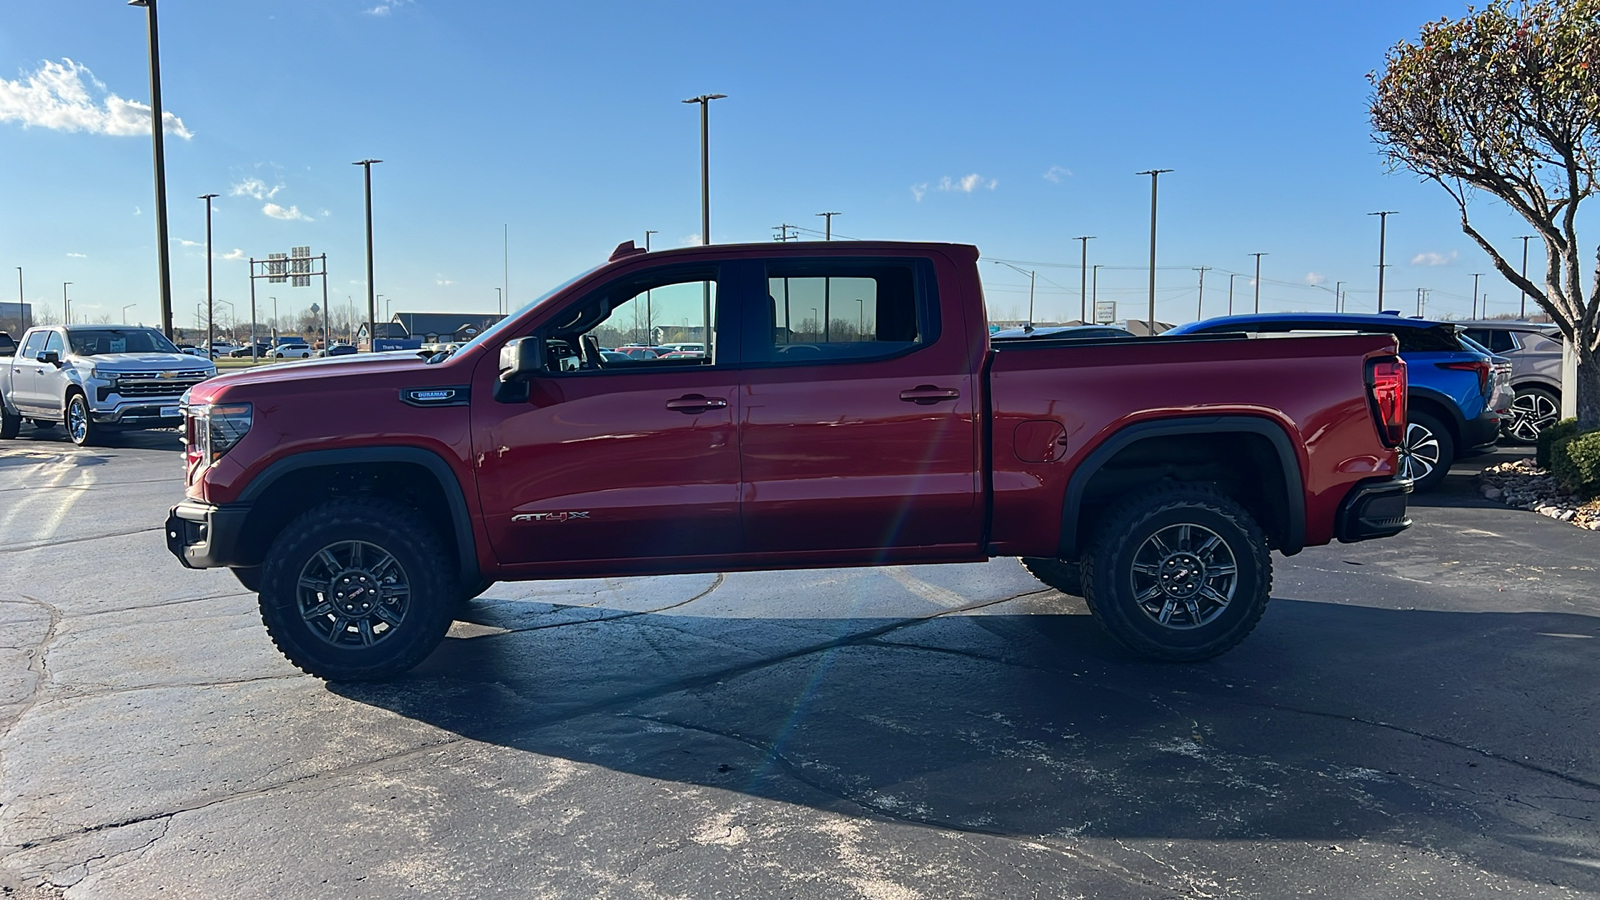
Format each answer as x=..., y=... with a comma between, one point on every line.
x=1332, y=722
x=55, y=438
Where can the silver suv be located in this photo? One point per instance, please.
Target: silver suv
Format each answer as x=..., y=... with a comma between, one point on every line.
x=1535, y=354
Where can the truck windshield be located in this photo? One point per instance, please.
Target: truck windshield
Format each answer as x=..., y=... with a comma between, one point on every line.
x=119, y=340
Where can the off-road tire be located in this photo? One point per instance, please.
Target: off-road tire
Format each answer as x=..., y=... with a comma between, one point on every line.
x=1124, y=540
x=1061, y=574
x=81, y=427
x=1421, y=431
x=10, y=423
x=324, y=644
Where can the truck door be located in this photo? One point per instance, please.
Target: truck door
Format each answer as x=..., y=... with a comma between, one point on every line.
x=611, y=457
x=26, y=371
x=857, y=419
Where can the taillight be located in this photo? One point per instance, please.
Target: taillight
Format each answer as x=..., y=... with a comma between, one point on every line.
x=1481, y=366
x=1386, y=384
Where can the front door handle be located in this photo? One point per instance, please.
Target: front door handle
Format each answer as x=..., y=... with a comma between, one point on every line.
x=926, y=394
x=694, y=403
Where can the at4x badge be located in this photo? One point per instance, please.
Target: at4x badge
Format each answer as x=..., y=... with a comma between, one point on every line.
x=549, y=517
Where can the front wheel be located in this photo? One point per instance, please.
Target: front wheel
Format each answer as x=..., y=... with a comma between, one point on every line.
x=1178, y=573
x=81, y=426
x=357, y=589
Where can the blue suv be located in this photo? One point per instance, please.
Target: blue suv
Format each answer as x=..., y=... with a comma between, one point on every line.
x=1456, y=387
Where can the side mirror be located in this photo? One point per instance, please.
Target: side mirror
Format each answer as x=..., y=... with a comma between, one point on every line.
x=51, y=357
x=521, y=359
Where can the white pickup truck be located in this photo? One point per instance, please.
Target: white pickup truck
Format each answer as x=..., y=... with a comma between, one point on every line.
x=94, y=377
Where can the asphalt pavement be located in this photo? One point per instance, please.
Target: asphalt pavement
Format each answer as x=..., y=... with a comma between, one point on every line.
x=1414, y=717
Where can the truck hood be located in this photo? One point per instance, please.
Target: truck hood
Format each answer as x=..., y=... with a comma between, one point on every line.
x=297, y=372
x=143, y=362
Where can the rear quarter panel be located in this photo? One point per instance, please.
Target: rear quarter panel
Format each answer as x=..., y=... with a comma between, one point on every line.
x=1314, y=388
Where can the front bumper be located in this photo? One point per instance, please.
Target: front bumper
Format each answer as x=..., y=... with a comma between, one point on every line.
x=203, y=536
x=1373, y=509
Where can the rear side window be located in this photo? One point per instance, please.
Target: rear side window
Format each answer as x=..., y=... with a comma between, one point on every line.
x=1496, y=339
x=8, y=347
x=843, y=310
x=1438, y=339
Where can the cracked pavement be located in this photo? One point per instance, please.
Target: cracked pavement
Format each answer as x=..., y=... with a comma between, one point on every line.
x=1414, y=717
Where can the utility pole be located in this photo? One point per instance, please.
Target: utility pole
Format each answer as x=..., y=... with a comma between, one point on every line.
x=1523, y=314
x=1338, y=296
x=157, y=129
x=211, y=319
x=1083, y=275
x=1231, y=277
x=1383, y=227
x=827, y=225
x=1422, y=301
x=1200, y=304
x=783, y=233
x=1030, y=287
x=1258, y=279
x=1155, y=176
x=1475, y=277
x=372, y=298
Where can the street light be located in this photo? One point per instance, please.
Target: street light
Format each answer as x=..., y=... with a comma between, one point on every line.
x=156, y=130
x=1094, y=288
x=861, y=321
x=705, y=199
x=814, y=331
x=211, y=320
x=233, y=316
x=1083, y=275
x=1258, y=280
x=1155, y=176
x=372, y=300
x=22, y=302
x=1230, y=292
x=125, y=312
x=1030, y=287
x=66, y=305
x=274, y=320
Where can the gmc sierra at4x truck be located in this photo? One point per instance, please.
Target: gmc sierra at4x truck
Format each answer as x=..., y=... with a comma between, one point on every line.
x=850, y=410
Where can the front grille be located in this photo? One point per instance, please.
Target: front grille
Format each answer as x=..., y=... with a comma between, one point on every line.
x=150, y=384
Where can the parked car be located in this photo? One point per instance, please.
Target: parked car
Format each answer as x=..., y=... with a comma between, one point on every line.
x=1535, y=355
x=338, y=350
x=1151, y=475
x=8, y=347
x=1456, y=391
x=262, y=348
x=95, y=377
x=637, y=352
x=681, y=347
x=1062, y=332
x=290, y=351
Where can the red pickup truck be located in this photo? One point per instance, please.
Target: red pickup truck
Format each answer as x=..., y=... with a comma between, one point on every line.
x=850, y=410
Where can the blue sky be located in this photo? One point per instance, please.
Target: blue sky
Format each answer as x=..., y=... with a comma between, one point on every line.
x=1013, y=126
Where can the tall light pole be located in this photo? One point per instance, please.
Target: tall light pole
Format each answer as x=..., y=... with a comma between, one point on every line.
x=1338, y=296
x=499, y=301
x=372, y=298
x=1200, y=304
x=1258, y=279
x=1383, y=227
x=1475, y=277
x=1083, y=277
x=1523, y=314
x=22, y=301
x=1155, y=176
x=827, y=225
x=275, y=322
x=211, y=320
x=125, y=312
x=705, y=199
x=156, y=134
x=66, y=304
x=1231, y=277
x=1094, y=286
x=861, y=319
x=1030, y=286
x=649, y=311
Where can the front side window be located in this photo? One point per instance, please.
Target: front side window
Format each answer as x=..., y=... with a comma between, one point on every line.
x=842, y=310
x=646, y=324
x=34, y=345
x=53, y=344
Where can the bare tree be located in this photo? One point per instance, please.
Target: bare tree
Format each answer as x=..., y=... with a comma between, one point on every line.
x=1506, y=101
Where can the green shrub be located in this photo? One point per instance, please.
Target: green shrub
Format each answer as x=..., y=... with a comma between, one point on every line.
x=1551, y=434
x=1575, y=463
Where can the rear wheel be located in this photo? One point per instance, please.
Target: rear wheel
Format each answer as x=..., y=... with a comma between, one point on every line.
x=1178, y=573
x=1063, y=575
x=1533, y=409
x=357, y=589
x=10, y=423
x=1427, y=453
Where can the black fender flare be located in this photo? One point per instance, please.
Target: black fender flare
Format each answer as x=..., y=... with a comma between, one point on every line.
x=1294, y=537
x=449, y=487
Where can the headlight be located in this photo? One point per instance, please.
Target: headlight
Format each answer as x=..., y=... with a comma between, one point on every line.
x=212, y=430
x=109, y=377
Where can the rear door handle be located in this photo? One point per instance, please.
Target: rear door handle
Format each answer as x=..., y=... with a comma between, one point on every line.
x=927, y=394
x=694, y=403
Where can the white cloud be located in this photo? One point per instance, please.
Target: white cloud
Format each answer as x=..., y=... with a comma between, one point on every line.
x=442, y=281
x=291, y=214
x=137, y=211
x=918, y=191
x=689, y=240
x=255, y=189
x=78, y=255
x=1316, y=278
x=1055, y=173
x=325, y=213
x=65, y=96
x=1433, y=259
x=184, y=243
x=967, y=183
x=385, y=7
x=235, y=253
